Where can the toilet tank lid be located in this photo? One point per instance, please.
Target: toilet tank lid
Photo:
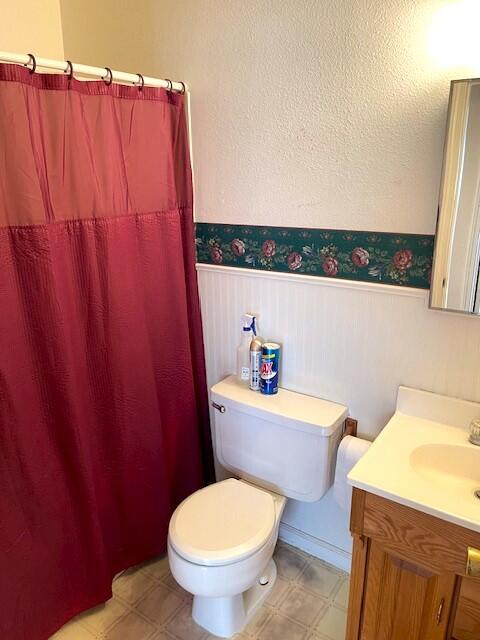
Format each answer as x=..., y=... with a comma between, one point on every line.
x=288, y=408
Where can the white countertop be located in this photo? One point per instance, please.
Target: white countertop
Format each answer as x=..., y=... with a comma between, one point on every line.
x=425, y=464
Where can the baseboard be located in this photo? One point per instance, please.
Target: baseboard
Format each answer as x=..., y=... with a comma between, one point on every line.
x=314, y=546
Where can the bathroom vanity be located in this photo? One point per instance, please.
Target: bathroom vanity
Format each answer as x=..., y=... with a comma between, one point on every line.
x=409, y=575
x=415, y=522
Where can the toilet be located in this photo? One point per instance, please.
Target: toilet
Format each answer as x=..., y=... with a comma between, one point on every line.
x=221, y=538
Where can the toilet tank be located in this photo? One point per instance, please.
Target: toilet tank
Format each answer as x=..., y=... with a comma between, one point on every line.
x=286, y=442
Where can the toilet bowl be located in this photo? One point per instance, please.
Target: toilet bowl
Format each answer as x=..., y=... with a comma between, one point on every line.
x=220, y=547
x=221, y=539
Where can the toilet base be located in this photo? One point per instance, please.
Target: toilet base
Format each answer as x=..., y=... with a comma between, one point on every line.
x=226, y=616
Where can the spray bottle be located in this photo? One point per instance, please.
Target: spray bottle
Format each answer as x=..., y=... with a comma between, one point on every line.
x=243, y=350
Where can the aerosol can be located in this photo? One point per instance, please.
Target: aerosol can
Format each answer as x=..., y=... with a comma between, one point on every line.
x=255, y=362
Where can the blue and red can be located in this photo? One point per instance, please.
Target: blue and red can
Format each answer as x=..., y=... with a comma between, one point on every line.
x=269, y=368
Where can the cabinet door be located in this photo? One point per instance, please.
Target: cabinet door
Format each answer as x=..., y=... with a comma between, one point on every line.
x=402, y=600
x=467, y=616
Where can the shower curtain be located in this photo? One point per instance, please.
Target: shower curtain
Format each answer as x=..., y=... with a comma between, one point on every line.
x=103, y=406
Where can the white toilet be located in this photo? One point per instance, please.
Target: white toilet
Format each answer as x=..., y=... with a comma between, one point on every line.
x=221, y=538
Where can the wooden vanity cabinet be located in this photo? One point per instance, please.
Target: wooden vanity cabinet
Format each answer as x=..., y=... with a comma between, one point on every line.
x=466, y=624
x=408, y=577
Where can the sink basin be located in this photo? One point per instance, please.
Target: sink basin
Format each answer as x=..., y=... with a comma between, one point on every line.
x=450, y=465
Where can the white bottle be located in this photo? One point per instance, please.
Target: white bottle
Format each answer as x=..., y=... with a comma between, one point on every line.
x=243, y=350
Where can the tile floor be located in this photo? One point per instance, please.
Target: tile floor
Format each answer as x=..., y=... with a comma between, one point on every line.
x=308, y=602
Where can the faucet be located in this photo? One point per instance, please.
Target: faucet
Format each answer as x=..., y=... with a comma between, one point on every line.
x=475, y=432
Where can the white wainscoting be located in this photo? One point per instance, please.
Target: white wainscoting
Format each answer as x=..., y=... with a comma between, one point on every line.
x=353, y=343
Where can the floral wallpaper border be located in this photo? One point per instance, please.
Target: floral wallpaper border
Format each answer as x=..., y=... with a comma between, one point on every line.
x=388, y=258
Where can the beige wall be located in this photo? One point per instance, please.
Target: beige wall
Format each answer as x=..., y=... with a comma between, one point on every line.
x=115, y=33
x=31, y=26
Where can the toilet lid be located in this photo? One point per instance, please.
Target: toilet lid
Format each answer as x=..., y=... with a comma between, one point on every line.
x=223, y=523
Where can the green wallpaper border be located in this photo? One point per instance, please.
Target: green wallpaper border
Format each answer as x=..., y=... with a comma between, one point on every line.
x=389, y=258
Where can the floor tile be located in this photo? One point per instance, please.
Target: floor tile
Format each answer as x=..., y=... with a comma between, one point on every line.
x=307, y=602
x=289, y=562
x=133, y=627
x=237, y=636
x=278, y=592
x=341, y=597
x=257, y=622
x=183, y=627
x=131, y=586
x=73, y=631
x=302, y=606
x=281, y=628
x=158, y=605
x=157, y=568
x=319, y=578
x=101, y=618
x=333, y=623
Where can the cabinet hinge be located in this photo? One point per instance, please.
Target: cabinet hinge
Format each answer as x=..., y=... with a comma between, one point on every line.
x=473, y=562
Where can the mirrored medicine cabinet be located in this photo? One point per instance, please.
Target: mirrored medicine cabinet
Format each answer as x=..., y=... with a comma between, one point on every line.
x=455, y=282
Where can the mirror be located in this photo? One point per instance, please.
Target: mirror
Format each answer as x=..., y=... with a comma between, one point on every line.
x=455, y=276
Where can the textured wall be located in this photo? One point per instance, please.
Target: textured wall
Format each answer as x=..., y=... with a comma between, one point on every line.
x=308, y=113
x=31, y=26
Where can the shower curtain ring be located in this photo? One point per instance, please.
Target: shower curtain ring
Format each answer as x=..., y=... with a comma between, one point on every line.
x=183, y=89
x=33, y=61
x=109, y=79
x=142, y=81
x=69, y=69
x=170, y=84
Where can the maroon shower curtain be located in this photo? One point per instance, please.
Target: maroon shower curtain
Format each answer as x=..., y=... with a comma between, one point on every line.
x=103, y=414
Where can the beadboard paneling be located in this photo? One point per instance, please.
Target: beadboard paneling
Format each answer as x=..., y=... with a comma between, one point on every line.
x=353, y=345
x=350, y=345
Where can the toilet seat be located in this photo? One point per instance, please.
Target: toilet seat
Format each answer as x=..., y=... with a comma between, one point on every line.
x=223, y=523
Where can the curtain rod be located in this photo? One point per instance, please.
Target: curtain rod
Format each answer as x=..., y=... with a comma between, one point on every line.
x=102, y=73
